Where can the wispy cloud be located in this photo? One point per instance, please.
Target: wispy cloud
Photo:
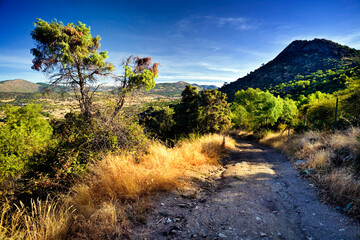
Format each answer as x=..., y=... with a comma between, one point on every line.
x=197, y=24
x=238, y=23
x=18, y=62
x=234, y=70
x=351, y=39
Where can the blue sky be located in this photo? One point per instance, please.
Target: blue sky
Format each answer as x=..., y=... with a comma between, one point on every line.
x=205, y=42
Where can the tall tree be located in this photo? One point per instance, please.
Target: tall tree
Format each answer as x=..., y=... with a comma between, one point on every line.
x=187, y=112
x=214, y=111
x=69, y=55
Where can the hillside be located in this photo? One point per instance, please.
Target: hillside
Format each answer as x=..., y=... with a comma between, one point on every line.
x=18, y=85
x=301, y=57
x=175, y=89
x=162, y=89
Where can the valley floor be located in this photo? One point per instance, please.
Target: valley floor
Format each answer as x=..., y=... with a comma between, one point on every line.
x=256, y=195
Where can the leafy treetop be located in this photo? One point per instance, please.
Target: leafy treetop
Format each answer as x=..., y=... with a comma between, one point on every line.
x=69, y=54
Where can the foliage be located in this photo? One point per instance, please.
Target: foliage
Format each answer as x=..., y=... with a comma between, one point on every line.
x=329, y=81
x=138, y=73
x=213, y=112
x=69, y=54
x=159, y=122
x=202, y=113
x=351, y=107
x=187, y=112
x=290, y=112
x=321, y=115
x=197, y=113
x=24, y=133
x=258, y=109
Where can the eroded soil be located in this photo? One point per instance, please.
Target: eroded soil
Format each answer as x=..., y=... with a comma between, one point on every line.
x=256, y=195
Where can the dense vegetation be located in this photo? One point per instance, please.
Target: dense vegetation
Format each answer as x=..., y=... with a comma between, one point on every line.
x=330, y=81
x=197, y=113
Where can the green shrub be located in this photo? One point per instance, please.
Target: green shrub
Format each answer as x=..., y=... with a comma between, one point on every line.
x=321, y=115
x=25, y=132
x=159, y=122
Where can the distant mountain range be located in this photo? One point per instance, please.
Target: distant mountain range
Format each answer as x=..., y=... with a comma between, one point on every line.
x=175, y=89
x=162, y=89
x=301, y=57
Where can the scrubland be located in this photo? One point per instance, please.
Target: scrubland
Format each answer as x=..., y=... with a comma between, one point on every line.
x=114, y=195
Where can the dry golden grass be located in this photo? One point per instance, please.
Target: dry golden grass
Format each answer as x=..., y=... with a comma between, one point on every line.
x=125, y=178
x=343, y=183
x=318, y=150
x=320, y=160
x=275, y=139
x=122, y=179
x=44, y=220
x=345, y=139
x=303, y=146
x=10, y=222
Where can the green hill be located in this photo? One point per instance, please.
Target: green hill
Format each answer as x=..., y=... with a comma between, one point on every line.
x=300, y=58
x=19, y=85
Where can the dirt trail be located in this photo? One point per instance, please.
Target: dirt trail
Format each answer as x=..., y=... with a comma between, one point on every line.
x=257, y=195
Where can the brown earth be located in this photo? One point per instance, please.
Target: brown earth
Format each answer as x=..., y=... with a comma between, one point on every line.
x=257, y=194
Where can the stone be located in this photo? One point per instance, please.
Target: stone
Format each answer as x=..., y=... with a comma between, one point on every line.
x=222, y=235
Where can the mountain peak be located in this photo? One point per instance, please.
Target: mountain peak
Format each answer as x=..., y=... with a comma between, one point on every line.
x=299, y=57
x=317, y=45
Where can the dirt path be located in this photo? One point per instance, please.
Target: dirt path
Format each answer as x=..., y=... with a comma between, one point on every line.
x=257, y=195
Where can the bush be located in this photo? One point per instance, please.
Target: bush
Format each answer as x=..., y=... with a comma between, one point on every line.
x=79, y=143
x=321, y=115
x=159, y=122
x=24, y=133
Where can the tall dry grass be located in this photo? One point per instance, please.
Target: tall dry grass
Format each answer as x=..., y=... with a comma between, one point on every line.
x=123, y=182
x=43, y=220
x=332, y=156
x=114, y=195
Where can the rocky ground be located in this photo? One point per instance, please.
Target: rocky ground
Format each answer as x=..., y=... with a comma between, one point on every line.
x=256, y=195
